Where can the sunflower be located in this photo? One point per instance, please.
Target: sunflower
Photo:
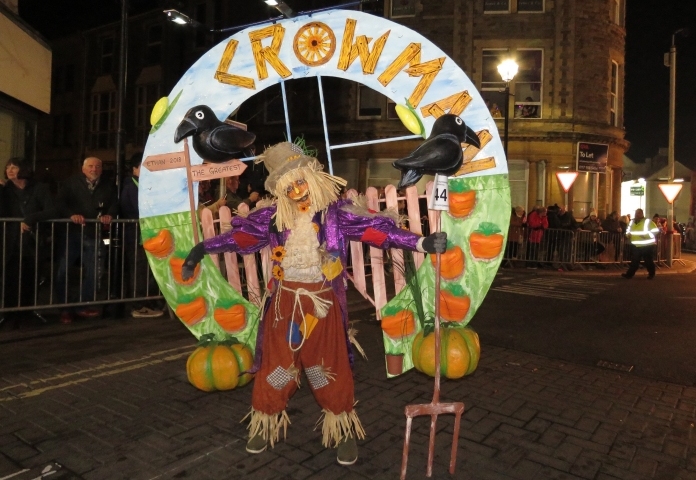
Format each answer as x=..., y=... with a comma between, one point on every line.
x=278, y=253
x=278, y=273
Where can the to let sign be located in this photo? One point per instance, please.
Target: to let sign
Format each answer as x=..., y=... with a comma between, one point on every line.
x=592, y=157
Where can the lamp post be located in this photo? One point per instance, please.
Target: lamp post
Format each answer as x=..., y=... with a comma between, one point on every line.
x=671, y=62
x=281, y=6
x=566, y=179
x=507, y=70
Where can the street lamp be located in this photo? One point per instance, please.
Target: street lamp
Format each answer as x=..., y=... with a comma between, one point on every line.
x=281, y=6
x=566, y=179
x=671, y=62
x=181, y=19
x=507, y=70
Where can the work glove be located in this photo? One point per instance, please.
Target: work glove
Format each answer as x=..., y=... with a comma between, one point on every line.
x=435, y=243
x=192, y=260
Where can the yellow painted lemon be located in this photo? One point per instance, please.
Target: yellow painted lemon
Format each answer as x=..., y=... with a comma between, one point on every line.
x=158, y=110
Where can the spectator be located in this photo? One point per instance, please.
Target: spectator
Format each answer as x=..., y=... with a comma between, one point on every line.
x=623, y=222
x=612, y=226
x=233, y=198
x=518, y=218
x=206, y=198
x=25, y=199
x=568, y=226
x=591, y=246
x=690, y=234
x=552, y=239
x=537, y=222
x=87, y=195
x=139, y=281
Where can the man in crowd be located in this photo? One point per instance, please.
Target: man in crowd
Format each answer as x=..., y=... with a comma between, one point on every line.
x=86, y=195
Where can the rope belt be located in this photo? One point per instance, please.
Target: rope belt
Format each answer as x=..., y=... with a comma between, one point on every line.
x=321, y=307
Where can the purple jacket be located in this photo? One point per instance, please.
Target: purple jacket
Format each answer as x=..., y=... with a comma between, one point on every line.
x=340, y=226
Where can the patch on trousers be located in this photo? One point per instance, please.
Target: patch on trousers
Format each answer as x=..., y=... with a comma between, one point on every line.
x=316, y=377
x=279, y=378
x=294, y=335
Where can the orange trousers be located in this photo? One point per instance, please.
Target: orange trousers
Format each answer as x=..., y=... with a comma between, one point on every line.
x=324, y=350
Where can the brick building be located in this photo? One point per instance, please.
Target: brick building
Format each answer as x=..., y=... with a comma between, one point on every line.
x=569, y=89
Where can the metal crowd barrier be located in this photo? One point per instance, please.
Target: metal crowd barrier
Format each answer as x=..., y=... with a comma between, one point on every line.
x=59, y=264
x=567, y=248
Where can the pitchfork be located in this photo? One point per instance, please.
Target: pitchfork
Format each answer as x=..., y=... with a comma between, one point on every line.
x=434, y=408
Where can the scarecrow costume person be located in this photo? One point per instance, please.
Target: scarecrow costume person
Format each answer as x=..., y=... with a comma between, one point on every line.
x=305, y=320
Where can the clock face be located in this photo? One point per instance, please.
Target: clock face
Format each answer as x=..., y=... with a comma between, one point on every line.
x=372, y=51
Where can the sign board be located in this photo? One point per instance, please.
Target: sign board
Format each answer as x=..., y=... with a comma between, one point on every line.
x=592, y=157
x=637, y=191
x=439, y=197
x=209, y=171
x=205, y=171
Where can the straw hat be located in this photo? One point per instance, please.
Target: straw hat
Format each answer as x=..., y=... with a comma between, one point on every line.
x=280, y=159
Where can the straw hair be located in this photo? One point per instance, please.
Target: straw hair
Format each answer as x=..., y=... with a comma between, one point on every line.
x=323, y=190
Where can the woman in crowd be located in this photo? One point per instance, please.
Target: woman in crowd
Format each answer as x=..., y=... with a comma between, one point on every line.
x=27, y=202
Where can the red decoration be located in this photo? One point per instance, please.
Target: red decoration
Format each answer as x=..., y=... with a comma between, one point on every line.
x=244, y=240
x=374, y=237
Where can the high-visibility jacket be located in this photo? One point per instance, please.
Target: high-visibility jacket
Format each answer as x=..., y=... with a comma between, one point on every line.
x=642, y=232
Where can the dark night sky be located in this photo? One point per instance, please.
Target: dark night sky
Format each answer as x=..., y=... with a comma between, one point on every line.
x=649, y=24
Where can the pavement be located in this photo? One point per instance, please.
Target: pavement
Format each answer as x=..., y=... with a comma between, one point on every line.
x=127, y=411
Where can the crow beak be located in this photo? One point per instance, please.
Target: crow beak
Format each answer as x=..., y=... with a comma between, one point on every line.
x=471, y=138
x=185, y=129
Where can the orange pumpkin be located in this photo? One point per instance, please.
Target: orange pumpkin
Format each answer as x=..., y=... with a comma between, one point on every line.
x=218, y=367
x=461, y=203
x=453, y=307
x=400, y=324
x=192, y=312
x=486, y=247
x=232, y=319
x=161, y=244
x=177, y=263
x=451, y=263
x=460, y=351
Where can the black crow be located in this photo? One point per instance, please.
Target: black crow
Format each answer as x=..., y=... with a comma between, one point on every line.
x=213, y=140
x=440, y=153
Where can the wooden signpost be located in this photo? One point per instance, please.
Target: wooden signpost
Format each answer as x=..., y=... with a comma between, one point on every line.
x=197, y=173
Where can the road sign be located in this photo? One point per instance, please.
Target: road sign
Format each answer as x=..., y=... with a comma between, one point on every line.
x=637, y=191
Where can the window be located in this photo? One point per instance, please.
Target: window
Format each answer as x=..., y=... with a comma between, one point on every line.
x=613, y=107
x=274, y=110
x=402, y=8
x=528, y=83
x=492, y=86
x=106, y=64
x=375, y=8
x=153, y=53
x=201, y=34
x=518, y=173
x=530, y=5
x=617, y=14
x=370, y=103
x=496, y=6
x=391, y=110
x=103, y=121
x=62, y=130
x=145, y=96
x=57, y=79
x=69, y=84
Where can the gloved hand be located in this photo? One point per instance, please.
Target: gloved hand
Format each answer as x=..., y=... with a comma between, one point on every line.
x=192, y=259
x=435, y=243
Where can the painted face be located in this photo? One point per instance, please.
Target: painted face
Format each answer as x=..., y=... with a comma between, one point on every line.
x=12, y=171
x=299, y=193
